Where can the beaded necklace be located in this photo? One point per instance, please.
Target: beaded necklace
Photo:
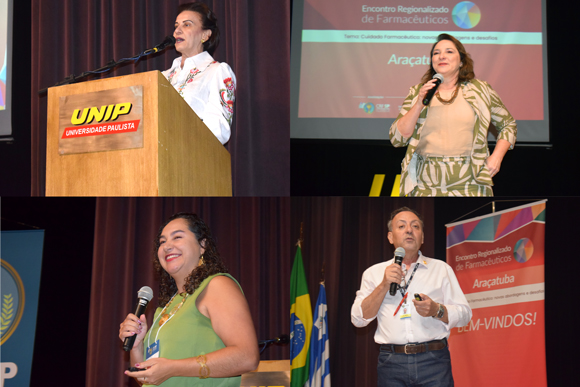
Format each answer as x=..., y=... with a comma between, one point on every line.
x=450, y=100
x=167, y=316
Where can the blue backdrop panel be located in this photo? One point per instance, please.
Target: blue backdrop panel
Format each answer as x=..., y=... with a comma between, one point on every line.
x=21, y=264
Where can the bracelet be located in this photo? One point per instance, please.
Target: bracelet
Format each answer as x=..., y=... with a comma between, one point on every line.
x=203, y=368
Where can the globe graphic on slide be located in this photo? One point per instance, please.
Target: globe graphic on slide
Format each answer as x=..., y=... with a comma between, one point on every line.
x=466, y=14
x=523, y=250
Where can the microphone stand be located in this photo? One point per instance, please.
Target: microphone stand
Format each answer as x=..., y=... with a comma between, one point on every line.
x=109, y=66
x=282, y=340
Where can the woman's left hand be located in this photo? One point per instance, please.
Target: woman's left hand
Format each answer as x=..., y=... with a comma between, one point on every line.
x=493, y=163
x=157, y=371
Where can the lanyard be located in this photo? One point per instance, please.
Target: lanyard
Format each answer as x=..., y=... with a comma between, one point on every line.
x=403, y=290
x=161, y=314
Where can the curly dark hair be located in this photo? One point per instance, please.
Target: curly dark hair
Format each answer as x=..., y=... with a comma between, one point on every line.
x=208, y=22
x=465, y=72
x=212, y=263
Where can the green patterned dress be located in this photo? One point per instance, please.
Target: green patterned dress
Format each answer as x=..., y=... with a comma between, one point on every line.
x=453, y=176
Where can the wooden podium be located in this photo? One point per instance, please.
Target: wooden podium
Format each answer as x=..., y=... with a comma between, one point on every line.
x=179, y=155
x=274, y=373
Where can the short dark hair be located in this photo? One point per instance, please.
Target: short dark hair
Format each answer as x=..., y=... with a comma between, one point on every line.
x=403, y=209
x=212, y=263
x=208, y=22
x=465, y=72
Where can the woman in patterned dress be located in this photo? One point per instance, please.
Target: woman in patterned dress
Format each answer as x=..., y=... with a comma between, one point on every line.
x=447, y=152
x=206, y=85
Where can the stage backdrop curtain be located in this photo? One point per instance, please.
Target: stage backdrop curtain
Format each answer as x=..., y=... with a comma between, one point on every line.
x=251, y=235
x=70, y=37
x=345, y=236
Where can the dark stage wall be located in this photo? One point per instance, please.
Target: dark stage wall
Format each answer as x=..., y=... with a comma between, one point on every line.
x=15, y=155
x=62, y=321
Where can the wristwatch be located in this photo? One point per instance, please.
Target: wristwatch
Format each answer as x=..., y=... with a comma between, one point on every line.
x=440, y=312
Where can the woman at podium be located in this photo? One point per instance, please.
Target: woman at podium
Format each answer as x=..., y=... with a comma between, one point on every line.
x=206, y=85
x=446, y=132
x=202, y=332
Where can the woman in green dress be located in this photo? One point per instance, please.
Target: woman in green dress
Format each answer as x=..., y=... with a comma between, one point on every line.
x=202, y=332
x=447, y=152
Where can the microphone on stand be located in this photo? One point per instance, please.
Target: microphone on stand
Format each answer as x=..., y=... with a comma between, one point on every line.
x=431, y=92
x=167, y=42
x=145, y=294
x=399, y=255
x=282, y=339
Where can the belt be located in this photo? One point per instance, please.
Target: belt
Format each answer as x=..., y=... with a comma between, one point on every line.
x=414, y=348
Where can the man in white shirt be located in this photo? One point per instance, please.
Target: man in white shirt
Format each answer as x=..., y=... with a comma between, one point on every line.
x=412, y=334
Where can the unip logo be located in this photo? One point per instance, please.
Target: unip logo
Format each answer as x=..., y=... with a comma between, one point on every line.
x=101, y=116
x=105, y=113
x=12, y=301
x=466, y=15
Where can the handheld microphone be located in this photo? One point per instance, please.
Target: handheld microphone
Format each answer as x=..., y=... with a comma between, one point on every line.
x=399, y=255
x=145, y=294
x=167, y=42
x=431, y=93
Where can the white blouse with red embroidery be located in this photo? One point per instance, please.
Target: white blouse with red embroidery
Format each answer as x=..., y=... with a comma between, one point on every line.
x=209, y=88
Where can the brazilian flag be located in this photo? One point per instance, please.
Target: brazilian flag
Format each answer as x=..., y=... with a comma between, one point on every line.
x=300, y=323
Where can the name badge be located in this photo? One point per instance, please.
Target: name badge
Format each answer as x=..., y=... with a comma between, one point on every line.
x=153, y=351
x=405, y=311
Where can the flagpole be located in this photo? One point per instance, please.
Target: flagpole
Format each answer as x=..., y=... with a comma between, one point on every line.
x=301, y=237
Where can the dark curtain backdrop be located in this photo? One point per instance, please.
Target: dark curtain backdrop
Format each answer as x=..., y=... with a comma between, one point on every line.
x=346, y=236
x=251, y=235
x=72, y=36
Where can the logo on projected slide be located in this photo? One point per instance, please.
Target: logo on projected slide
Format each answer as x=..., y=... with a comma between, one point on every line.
x=466, y=15
x=383, y=107
x=12, y=301
x=367, y=107
x=523, y=250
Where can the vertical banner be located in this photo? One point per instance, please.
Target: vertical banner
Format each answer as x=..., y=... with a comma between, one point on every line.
x=21, y=264
x=499, y=262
